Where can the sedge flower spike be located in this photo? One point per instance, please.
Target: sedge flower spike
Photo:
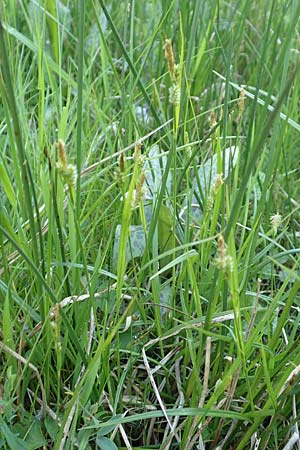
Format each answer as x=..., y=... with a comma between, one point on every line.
x=174, y=72
x=174, y=94
x=218, y=181
x=169, y=55
x=223, y=261
x=275, y=221
x=67, y=171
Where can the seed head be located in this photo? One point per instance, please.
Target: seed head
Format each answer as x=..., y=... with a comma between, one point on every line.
x=67, y=171
x=138, y=157
x=122, y=163
x=218, y=181
x=169, y=55
x=174, y=94
x=223, y=261
x=242, y=101
x=275, y=221
x=213, y=121
x=62, y=157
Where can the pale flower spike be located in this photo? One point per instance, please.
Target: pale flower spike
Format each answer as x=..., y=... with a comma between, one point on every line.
x=275, y=221
x=223, y=261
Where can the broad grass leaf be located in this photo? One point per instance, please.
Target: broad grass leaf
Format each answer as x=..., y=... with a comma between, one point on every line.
x=106, y=444
x=154, y=169
x=106, y=430
x=35, y=438
x=51, y=427
x=135, y=245
x=13, y=441
x=165, y=298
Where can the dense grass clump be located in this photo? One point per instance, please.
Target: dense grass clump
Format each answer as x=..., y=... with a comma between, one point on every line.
x=149, y=225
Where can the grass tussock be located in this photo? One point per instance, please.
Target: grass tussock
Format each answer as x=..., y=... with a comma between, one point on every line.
x=149, y=225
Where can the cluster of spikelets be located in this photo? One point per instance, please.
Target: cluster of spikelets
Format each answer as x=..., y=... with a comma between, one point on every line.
x=140, y=190
x=67, y=171
x=174, y=71
x=218, y=181
x=224, y=261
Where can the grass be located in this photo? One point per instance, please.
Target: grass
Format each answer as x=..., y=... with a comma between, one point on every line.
x=149, y=225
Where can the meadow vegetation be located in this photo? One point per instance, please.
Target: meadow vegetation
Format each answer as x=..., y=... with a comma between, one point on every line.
x=149, y=224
